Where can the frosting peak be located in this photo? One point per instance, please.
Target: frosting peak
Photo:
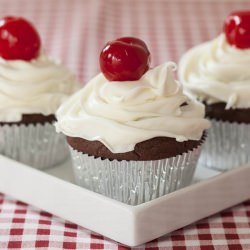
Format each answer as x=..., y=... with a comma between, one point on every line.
x=122, y=114
x=156, y=83
x=216, y=72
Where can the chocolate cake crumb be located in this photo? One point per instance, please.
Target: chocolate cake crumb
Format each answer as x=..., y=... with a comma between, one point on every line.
x=153, y=149
x=28, y=119
x=218, y=112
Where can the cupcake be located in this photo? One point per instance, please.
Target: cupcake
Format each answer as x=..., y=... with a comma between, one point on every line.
x=133, y=135
x=217, y=73
x=31, y=89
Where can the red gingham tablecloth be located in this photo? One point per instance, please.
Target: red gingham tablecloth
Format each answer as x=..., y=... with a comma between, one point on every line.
x=74, y=31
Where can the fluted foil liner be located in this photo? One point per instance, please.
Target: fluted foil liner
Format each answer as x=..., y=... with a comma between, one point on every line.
x=35, y=145
x=134, y=182
x=227, y=146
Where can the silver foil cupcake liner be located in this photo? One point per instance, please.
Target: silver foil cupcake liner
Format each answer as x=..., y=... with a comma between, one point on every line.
x=36, y=145
x=134, y=182
x=227, y=146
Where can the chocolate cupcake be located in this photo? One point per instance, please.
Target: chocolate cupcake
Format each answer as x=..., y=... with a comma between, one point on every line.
x=134, y=136
x=217, y=73
x=31, y=89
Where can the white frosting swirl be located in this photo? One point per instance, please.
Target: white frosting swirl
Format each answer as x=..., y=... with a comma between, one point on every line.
x=216, y=72
x=122, y=114
x=38, y=86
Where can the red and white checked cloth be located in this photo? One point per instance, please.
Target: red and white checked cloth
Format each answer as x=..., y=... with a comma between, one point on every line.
x=25, y=227
x=74, y=31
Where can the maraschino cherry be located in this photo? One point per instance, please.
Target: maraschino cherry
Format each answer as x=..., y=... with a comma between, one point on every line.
x=19, y=40
x=124, y=59
x=237, y=29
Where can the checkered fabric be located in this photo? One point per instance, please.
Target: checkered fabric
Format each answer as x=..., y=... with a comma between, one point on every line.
x=25, y=227
x=74, y=31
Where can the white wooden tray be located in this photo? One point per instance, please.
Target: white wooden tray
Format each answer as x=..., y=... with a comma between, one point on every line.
x=54, y=192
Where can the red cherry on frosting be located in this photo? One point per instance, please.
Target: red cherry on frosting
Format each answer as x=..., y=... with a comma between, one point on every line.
x=124, y=59
x=19, y=40
x=237, y=29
